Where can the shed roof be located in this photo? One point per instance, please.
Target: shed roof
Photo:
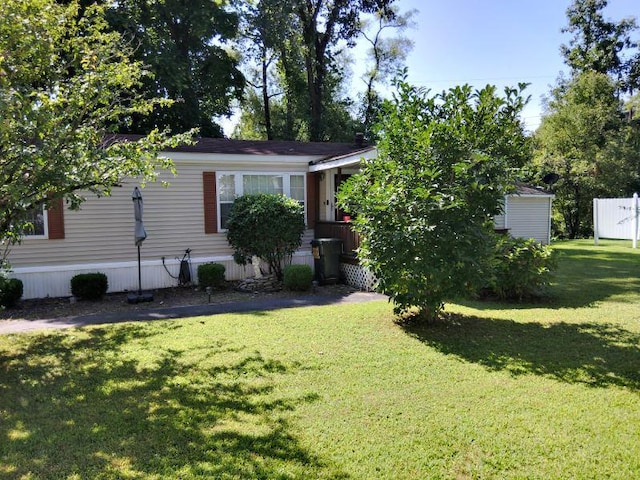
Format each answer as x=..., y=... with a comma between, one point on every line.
x=525, y=189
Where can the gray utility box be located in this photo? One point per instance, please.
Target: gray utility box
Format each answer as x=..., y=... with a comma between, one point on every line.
x=326, y=255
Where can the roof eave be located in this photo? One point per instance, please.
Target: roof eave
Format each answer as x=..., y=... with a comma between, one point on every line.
x=349, y=160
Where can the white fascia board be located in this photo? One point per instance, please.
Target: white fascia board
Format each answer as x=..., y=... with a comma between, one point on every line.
x=349, y=161
x=531, y=195
x=236, y=159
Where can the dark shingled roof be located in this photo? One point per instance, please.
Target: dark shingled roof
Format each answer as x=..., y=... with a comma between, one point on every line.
x=260, y=147
x=524, y=189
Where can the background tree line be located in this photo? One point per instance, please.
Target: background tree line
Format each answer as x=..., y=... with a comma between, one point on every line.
x=590, y=131
x=285, y=64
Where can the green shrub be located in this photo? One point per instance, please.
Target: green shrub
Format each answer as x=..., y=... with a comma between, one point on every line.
x=268, y=226
x=89, y=286
x=521, y=269
x=11, y=290
x=211, y=275
x=298, y=277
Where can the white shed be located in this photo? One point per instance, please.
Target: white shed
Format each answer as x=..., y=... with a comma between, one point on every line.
x=527, y=214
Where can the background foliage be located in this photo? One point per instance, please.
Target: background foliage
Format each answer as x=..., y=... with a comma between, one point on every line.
x=589, y=134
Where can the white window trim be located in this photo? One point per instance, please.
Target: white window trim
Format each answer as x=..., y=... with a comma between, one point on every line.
x=45, y=219
x=286, y=187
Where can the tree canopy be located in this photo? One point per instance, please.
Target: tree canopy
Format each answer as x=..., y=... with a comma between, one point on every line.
x=601, y=45
x=585, y=139
x=66, y=84
x=184, y=44
x=298, y=50
x=423, y=206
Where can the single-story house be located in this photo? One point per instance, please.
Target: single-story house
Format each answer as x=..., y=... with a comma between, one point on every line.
x=191, y=213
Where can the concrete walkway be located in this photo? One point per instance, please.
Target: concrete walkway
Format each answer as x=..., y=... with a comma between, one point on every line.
x=16, y=326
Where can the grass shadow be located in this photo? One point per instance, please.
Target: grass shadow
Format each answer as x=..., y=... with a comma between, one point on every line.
x=78, y=405
x=597, y=355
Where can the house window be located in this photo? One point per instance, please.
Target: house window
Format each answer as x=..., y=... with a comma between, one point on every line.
x=252, y=184
x=232, y=185
x=296, y=188
x=227, y=189
x=37, y=222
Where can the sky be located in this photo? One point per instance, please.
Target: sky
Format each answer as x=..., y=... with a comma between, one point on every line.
x=498, y=42
x=480, y=42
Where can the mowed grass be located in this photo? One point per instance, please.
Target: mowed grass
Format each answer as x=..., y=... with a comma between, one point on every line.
x=344, y=391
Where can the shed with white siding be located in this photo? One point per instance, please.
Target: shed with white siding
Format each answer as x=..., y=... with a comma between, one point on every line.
x=527, y=214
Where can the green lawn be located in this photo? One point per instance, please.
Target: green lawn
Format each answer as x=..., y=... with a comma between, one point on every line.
x=495, y=391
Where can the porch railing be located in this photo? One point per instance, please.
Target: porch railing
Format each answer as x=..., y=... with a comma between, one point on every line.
x=341, y=230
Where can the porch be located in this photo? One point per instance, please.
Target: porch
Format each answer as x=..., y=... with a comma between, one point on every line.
x=329, y=221
x=341, y=230
x=351, y=272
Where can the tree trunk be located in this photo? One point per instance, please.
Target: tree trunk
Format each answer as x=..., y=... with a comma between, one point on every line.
x=265, y=96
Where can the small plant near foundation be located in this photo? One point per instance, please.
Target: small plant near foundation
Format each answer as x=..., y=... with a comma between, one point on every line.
x=89, y=286
x=211, y=275
x=298, y=277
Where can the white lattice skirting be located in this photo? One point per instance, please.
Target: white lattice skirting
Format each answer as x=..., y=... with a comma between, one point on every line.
x=359, y=277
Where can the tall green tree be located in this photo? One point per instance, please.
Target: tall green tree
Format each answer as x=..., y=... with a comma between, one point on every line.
x=387, y=55
x=424, y=205
x=186, y=44
x=584, y=138
x=586, y=135
x=324, y=24
x=275, y=107
x=265, y=28
x=601, y=45
x=302, y=43
x=66, y=82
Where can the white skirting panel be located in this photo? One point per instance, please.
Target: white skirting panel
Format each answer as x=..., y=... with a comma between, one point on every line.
x=359, y=277
x=41, y=282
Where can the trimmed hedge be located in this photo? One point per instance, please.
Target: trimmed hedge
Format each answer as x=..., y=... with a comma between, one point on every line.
x=268, y=226
x=211, y=275
x=11, y=290
x=298, y=277
x=89, y=286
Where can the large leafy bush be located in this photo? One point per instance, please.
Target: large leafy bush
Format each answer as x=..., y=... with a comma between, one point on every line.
x=269, y=226
x=424, y=206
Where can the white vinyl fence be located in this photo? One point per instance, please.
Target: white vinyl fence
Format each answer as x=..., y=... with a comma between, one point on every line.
x=616, y=218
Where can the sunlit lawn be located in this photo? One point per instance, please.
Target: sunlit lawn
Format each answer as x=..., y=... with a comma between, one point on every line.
x=494, y=391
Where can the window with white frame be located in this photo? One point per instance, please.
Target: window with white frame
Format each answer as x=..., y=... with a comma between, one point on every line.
x=36, y=219
x=232, y=185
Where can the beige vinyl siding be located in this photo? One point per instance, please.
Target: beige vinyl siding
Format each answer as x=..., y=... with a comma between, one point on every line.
x=528, y=217
x=102, y=230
